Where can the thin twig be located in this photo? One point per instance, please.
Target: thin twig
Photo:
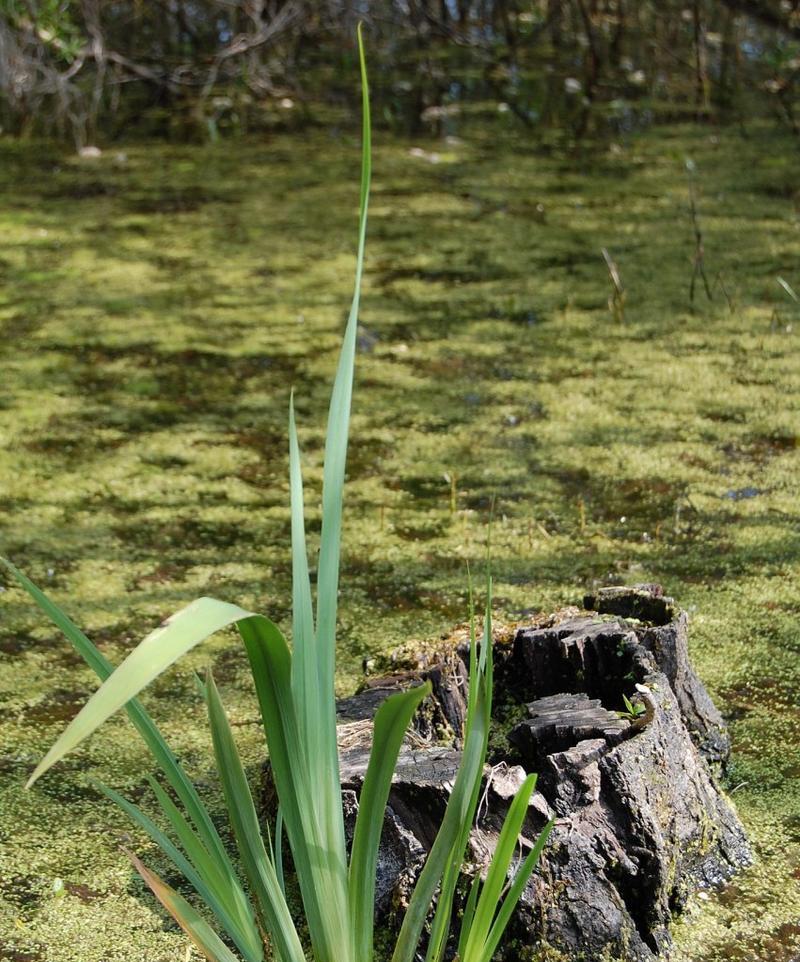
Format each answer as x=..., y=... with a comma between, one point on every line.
x=699, y=268
x=719, y=282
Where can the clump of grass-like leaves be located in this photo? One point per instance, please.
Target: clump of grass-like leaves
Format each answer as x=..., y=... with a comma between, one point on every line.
x=295, y=689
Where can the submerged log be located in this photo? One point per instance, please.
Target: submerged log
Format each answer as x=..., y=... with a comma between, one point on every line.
x=641, y=821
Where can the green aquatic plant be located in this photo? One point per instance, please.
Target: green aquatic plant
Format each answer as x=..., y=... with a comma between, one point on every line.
x=296, y=696
x=633, y=710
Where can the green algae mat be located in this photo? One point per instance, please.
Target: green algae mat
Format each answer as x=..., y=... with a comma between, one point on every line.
x=156, y=307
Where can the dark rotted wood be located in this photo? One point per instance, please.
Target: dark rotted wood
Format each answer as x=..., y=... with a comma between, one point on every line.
x=665, y=634
x=445, y=713
x=558, y=722
x=640, y=817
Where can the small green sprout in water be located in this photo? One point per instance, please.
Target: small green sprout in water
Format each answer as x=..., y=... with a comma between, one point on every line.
x=295, y=691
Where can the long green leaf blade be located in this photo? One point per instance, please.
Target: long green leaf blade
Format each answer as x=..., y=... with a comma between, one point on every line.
x=221, y=880
x=514, y=894
x=391, y=721
x=257, y=865
x=247, y=939
x=192, y=923
x=458, y=813
x=499, y=866
x=326, y=757
x=480, y=682
x=440, y=929
x=150, y=734
x=153, y=655
x=323, y=883
x=147, y=661
x=339, y=419
x=447, y=853
x=279, y=849
x=305, y=670
x=468, y=915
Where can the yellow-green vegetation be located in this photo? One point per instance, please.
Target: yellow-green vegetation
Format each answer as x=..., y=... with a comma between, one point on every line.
x=157, y=306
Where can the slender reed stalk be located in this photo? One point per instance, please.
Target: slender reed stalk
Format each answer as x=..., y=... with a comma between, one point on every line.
x=699, y=259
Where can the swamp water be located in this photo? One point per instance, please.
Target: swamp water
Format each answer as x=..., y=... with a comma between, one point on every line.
x=157, y=306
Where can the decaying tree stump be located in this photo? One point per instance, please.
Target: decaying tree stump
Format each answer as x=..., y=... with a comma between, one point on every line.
x=640, y=818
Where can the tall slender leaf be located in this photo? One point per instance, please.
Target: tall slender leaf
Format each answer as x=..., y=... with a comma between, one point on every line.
x=152, y=737
x=492, y=888
x=332, y=497
x=391, y=721
x=468, y=915
x=257, y=864
x=513, y=896
x=323, y=888
x=246, y=938
x=279, y=849
x=160, y=649
x=224, y=884
x=480, y=674
x=192, y=923
x=305, y=670
x=458, y=814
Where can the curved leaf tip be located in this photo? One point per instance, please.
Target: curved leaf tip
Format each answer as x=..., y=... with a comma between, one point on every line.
x=160, y=649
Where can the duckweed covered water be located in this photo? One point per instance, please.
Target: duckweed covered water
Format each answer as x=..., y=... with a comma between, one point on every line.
x=155, y=310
